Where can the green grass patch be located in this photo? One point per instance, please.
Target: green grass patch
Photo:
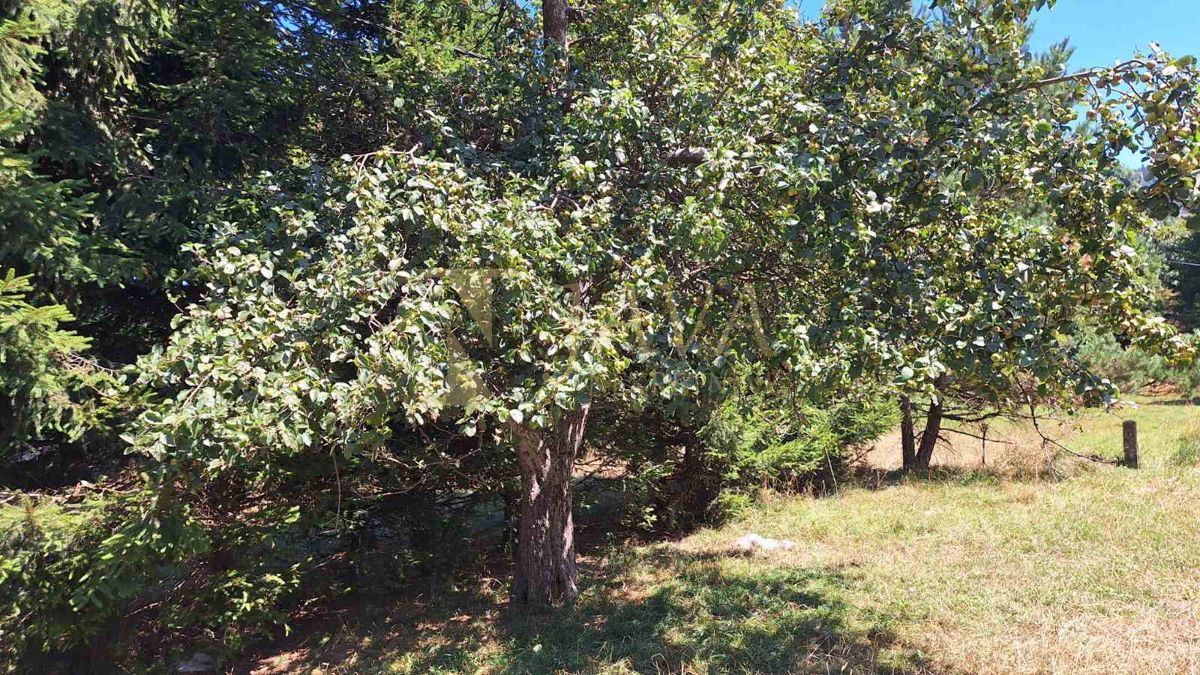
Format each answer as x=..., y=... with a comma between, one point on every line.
x=1165, y=426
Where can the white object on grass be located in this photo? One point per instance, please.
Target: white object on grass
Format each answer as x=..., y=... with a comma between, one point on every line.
x=753, y=542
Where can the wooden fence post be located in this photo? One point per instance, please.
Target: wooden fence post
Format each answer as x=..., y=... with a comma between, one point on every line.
x=1131, y=444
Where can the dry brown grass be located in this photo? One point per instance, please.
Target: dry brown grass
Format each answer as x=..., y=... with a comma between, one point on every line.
x=1012, y=449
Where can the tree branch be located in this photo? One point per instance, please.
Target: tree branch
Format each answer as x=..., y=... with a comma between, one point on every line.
x=1036, y=427
x=686, y=157
x=978, y=437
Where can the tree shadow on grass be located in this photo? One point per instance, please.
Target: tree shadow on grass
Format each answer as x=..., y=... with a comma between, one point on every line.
x=656, y=610
x=705, y=611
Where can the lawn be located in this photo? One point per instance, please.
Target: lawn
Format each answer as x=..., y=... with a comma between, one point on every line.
x=1092, y=568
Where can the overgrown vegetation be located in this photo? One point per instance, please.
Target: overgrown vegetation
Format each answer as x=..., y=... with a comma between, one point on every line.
x=304, y=298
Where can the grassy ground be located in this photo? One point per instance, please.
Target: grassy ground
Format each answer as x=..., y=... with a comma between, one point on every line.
x=1096, y=570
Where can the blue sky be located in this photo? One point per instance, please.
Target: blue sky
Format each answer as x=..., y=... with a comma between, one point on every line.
x=1105, y=30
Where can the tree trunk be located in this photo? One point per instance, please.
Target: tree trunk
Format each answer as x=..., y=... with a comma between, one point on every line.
x=908, y=438
x=545, y=571
x=554, y=24
x=929, y=437
x=695, y=478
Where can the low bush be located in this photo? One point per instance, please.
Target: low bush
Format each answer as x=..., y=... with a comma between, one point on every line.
x=82, y=581
x=766, y=437
x=68, y=571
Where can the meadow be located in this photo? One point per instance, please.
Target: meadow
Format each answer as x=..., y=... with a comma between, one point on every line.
x=1084, y=567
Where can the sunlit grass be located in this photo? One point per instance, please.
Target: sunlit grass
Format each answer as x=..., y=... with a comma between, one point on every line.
x=1163, y=425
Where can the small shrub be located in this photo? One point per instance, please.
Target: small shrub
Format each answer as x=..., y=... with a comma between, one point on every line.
x=1186, y=453
x=731, y=503
x=73, y=573
x=763, y=436
x=67, y=570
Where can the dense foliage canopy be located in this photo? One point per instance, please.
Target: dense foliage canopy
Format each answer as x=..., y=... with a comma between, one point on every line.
x=330, y=259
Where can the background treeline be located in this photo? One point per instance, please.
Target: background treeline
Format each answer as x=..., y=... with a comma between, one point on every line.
x=232, y=365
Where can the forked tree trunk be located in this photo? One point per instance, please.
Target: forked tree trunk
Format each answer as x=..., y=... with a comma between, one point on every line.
x=908, y=437
x=545, y=571
x=929, y=437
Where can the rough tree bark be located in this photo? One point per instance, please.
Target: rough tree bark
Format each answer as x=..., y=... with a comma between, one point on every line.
x=908, y=438
x=546, y=571
x=929, y=437
x=554, y=23
x=696, y=482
